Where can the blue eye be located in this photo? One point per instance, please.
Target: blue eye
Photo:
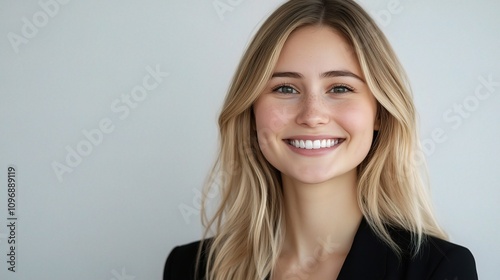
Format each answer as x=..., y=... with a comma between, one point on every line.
x=285, y=89
x=340, y=89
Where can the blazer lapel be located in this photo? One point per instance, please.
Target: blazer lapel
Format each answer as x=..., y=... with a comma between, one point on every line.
x=367, y=257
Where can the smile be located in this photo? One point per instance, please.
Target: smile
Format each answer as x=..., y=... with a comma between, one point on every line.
x=314, y=144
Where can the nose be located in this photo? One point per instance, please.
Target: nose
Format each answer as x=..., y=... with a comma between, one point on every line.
x=313, y=111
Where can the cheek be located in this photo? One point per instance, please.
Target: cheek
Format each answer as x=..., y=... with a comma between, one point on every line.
x=272, y=117
x=358, y=119
x=270, y=120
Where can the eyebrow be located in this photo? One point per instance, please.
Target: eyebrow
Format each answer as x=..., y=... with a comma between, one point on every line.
x=329, y=74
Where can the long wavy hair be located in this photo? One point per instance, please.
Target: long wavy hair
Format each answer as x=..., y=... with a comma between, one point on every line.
x=248, y=226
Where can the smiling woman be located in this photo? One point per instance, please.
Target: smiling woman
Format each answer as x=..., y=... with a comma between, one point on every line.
x=316, y=96
x=317, y=135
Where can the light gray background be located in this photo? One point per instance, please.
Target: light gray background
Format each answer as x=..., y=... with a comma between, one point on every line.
x=118, y=214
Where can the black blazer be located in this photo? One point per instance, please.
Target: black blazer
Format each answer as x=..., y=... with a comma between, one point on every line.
x=368, y=258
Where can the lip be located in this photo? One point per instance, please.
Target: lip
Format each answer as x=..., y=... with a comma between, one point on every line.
x=312, y=137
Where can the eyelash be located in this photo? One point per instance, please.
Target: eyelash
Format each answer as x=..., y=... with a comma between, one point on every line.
x=347, y=87
x=336, y=86
x=280, y=86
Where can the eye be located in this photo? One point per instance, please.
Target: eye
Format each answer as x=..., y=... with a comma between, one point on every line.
x=285, y=89
x=340, y=89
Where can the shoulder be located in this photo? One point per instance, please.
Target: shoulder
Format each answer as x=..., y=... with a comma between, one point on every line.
x=182, y=260
x=437, y=259
x=449, y=260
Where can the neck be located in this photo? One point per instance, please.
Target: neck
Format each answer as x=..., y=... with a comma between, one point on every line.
x=321, y=216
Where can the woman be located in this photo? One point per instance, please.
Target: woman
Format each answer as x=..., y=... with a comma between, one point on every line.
x=318, y=165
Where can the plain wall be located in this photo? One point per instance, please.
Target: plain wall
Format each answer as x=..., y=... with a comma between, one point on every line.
x=117, y=212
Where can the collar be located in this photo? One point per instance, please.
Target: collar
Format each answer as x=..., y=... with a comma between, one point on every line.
x=367, y=257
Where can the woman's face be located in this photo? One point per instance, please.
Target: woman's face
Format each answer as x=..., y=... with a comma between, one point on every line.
x=316, y=116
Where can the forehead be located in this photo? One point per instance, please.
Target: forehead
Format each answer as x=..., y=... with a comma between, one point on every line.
x=318, y=48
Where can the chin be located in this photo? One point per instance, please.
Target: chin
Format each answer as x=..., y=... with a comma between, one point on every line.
x=315, y=177
x=312, y=179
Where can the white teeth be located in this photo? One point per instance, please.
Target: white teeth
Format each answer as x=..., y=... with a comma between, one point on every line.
x=309, y=145
x=317, y=144
x=302, y=144
x=313, y=144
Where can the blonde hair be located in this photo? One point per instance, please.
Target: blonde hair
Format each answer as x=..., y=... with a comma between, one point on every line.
x=248, y=225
